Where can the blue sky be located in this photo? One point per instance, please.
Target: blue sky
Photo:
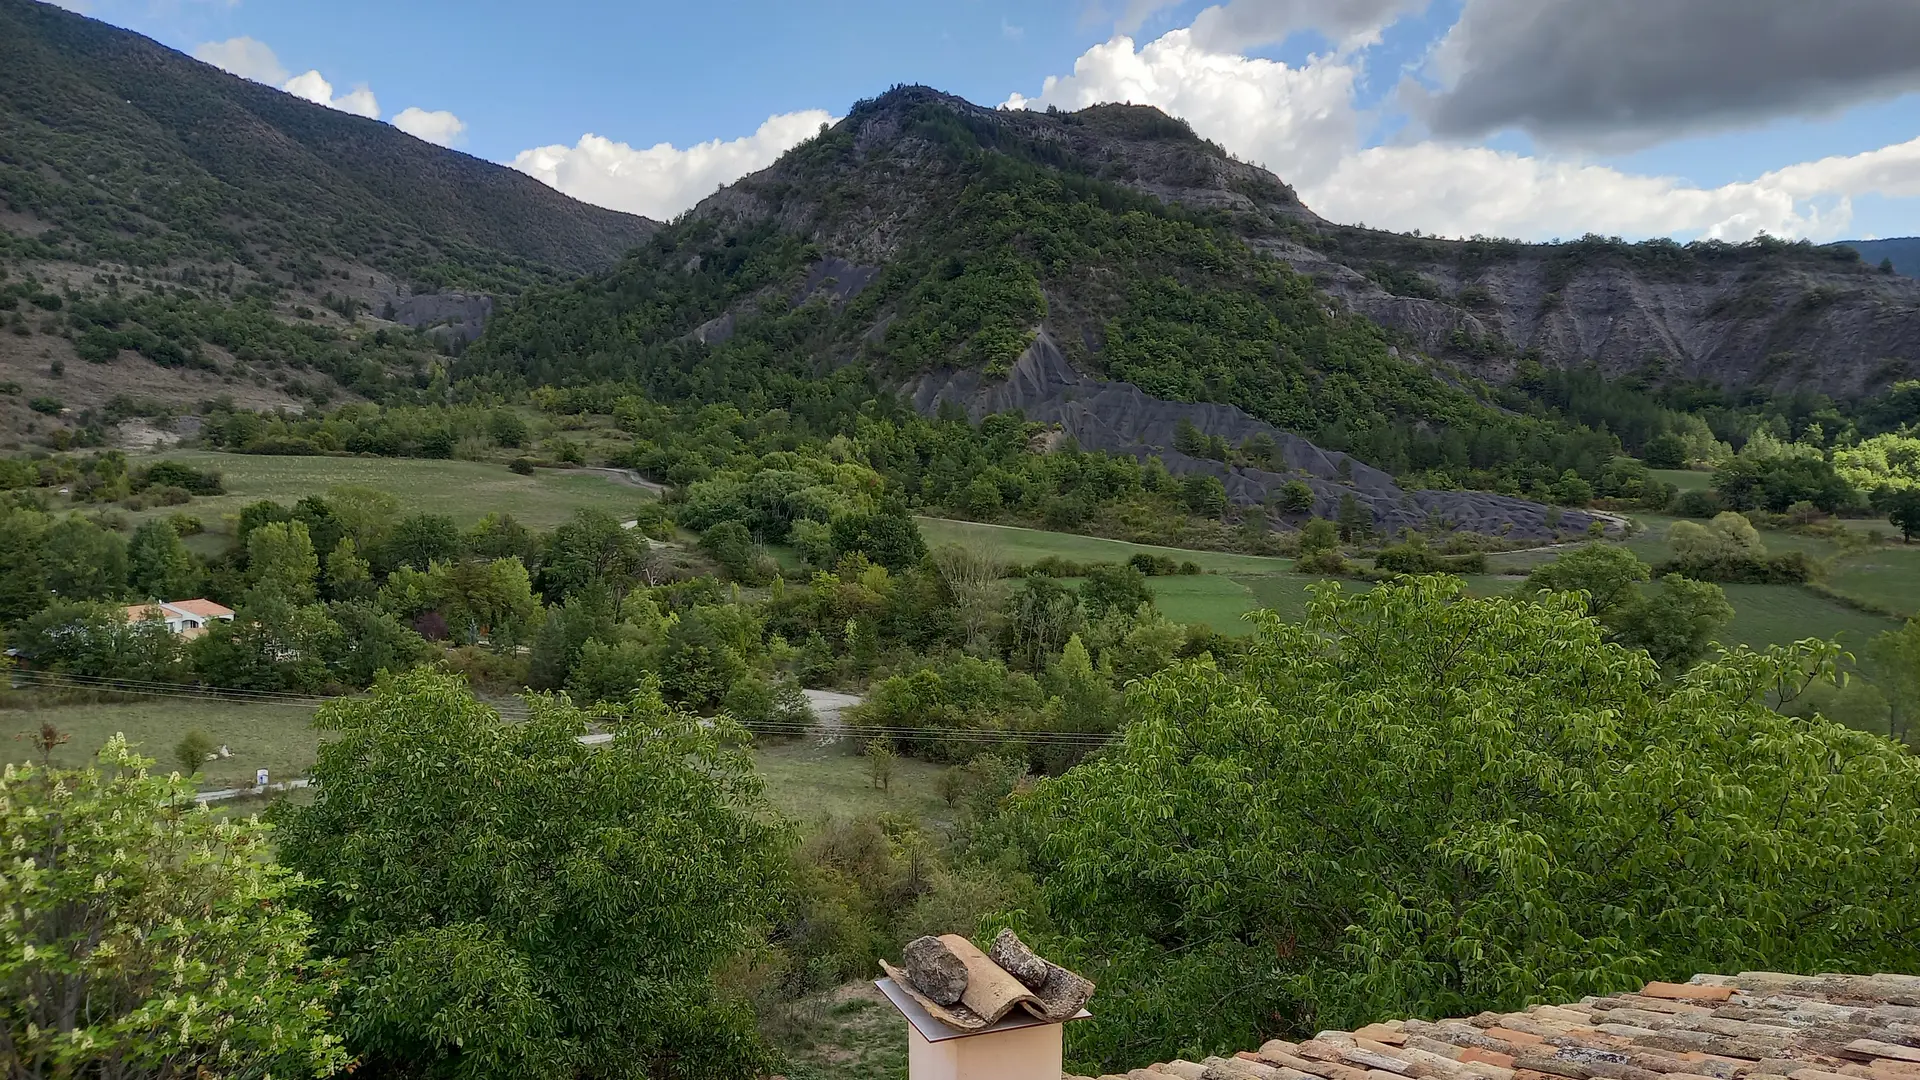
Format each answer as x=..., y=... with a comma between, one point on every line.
x=1432, y=114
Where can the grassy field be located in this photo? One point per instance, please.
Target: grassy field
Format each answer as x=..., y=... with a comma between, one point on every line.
x=465, y=490
x=805, y=780
x=1780, y=614
x=277, y=738
x=1684, y=479
x=1887, y=577
x=808, y=781
x=1032, y=545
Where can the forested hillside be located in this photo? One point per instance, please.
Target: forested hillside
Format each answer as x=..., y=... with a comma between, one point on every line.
x=1902, y=252
x=196, y=235
x=924, y=236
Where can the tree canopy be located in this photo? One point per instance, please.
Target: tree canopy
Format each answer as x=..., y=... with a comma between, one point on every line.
x=1422, y=803
x=510, y=902
x=143, y=936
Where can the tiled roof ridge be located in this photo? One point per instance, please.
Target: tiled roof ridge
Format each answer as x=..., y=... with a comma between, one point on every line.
x=1758, y=1024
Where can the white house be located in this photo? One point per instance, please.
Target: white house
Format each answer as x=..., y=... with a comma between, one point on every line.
x=186, y=618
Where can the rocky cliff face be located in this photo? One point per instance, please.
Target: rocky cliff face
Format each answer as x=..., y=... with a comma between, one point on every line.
x=1771, y=315
x=1119, y=418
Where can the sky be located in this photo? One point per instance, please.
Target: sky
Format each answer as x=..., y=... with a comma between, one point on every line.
x=1533, y=119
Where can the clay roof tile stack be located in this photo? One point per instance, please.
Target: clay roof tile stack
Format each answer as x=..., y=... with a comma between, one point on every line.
x=1754, y=1026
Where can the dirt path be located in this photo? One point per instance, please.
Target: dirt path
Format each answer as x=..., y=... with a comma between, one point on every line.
x=627, y=477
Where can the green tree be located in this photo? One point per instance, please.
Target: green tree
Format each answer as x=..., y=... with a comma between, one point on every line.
x=1609, y=575
x=159, y=566
x=281, y=562
x=591, y=549
x=191, y=751
x=1904, y=511
x=1676, y=624
x=1042, y=614
x=1297, y=497
x=1572, y=490
x=731, y=545
x=1666, y=451
x=1442, y=804
x=1896, y=658
x=1356, y=522
x=512, y=903
x=1317, y=535
x=880, y=763
x=1114, y=587
x=887, y=536
x=83, y=561
x=419, y=541
x=143, y=936
x=349, y=577
x=1204, y=495
x=23, y=577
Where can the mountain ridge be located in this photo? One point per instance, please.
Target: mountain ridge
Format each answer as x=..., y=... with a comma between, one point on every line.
x=1768, y=314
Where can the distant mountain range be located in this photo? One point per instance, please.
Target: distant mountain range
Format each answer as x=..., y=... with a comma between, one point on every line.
x=123, y=162
x=1903, y=250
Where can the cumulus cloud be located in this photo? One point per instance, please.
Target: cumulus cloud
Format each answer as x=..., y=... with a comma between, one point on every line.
x=1297, y=121
x=253, y=59
x=1302, y=123
x=1630, y=72
x=245, y=57
x=441, y=128
x=1243, y=24
x=663, y=180
x=315, y=88
x=1461, y=191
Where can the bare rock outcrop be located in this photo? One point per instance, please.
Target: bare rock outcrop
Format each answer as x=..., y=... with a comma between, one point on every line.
x=1120, y=418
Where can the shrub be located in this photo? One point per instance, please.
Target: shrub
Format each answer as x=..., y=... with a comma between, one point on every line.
x=143, y=936
x=1696, y=504
x=1483, y=778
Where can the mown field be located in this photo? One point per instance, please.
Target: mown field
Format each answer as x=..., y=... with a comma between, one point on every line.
x=464, y=490
x=1031, y=545
x=275, y=737
x=1237, y=584
x=806, y=780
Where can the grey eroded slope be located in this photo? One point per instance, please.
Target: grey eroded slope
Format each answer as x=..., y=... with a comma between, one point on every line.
x=1120, y=418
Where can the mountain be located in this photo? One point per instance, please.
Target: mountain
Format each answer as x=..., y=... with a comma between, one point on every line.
x=881, y=192
x=195, y=234
x=930, y=248
x=1904, y=251
x=137, y=152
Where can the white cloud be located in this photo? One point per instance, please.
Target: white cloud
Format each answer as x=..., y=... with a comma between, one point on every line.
x=1296, y=121
x=1302, y=123
x=663, y=180
x=1010, y=31
x=245, y=57
x=1243, y=24
x=441, y=128
x=1463, y=190
x=315, y=88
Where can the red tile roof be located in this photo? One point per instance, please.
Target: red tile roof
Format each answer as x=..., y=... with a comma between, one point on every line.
x=204, y=608
x=1753, y=1026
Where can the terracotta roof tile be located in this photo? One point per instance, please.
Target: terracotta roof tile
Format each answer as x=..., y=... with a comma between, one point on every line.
x=1756, y=1025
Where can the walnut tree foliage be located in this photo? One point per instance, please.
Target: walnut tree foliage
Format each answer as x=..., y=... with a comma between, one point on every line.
x=513, y=903
x=143, y=936
x=1420, y=803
